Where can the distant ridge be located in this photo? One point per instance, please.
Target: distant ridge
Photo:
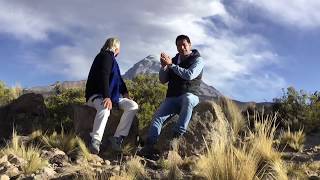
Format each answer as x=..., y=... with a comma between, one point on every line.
x=151, y=65
x=148, y=65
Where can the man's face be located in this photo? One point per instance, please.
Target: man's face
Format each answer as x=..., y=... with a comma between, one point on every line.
x=116, y=52
x=183, y=47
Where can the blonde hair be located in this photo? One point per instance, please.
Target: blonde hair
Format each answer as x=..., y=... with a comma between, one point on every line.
x=111, y=44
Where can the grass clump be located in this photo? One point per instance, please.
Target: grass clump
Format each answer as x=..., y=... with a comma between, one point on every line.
x=135, y=169
x=225, y=162
x=67, y=143
x=83, y=150
x=251, y=157
x=89, y=174
x=233, y=115
x=296, y=171
x=174, y=161
x=295, y=140
x=31, y=155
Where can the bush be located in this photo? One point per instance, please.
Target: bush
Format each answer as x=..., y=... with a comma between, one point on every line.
x=148, y=92
x=299, y=109
x=8, y=94
x=56, y=104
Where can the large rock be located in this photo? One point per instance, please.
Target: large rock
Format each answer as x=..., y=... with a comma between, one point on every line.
x=83, y=117
x=23, y=114
x=208, y=124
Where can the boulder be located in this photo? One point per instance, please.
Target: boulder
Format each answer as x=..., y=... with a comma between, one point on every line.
x=83, y=117
x=23, y=114
x=4, y=177
x=56, y=157
x=207, y=123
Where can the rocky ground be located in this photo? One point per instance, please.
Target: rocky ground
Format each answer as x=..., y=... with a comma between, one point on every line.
x=308, y=160
x=62, y=166
x=177, y=162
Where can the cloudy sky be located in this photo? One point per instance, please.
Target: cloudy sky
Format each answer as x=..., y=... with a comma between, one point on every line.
x=252, y=48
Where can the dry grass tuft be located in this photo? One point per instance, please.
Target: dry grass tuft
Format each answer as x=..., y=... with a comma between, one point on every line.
x=225, y=162
x=233, y=115
x=271, y=164
x=253, y=158
x=296, y=171
x=128, y=149
x=174, y=160
x=88, y=174
x=122, y=177
x=83, y=150
x=135, y=169
x=31, y=155
x=295, y=140
x=68, y=143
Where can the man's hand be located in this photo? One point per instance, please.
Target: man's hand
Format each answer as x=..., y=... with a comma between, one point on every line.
x=165, y=59
x=126, y=95
x=107, y=103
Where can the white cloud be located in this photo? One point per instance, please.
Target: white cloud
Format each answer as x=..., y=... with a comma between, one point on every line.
x=233, y=62
x=297, y=13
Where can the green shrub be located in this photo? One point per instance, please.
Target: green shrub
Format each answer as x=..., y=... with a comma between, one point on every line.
x=148, y=92
x=56, y=104
x=299, y=109
x=8, y=94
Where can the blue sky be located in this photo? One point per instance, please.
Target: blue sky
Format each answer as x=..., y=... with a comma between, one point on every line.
x=252, y=49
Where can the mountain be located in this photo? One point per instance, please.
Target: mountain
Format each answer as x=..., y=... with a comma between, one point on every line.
x=148, y=65
x=151, y=65
x=51, y=89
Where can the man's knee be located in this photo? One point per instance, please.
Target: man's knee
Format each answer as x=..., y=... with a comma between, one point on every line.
x=131, y=105
x=190, y=99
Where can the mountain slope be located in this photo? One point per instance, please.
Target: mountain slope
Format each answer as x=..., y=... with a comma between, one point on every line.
x=150, y=65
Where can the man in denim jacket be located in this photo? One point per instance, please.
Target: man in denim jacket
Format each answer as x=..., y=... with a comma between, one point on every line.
x=183, y=74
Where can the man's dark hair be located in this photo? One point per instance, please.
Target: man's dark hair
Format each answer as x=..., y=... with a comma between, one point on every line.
x=182, y=37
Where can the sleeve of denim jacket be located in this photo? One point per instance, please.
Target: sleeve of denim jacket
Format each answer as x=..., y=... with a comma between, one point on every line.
x=190, y=73
x=163, y=75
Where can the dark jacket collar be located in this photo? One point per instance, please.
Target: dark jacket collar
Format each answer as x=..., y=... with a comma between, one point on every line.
x=107, y=51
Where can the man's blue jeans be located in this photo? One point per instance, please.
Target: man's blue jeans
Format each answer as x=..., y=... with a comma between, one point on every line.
x=182, y=105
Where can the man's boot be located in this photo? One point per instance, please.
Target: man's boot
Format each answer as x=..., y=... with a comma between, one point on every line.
x=116, y=143
x=94, y=146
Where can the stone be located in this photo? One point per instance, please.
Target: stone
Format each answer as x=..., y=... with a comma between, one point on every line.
x=116, y=168
x=13, y=159
x=205, y=124
x=12, y=171
x=3, y=159
x=49, y=172
x=83, y=118
x=4, y=177
x=3, y=169
x=23, y=114
x=56, y=157
x=95, y=159
x=107, y=162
